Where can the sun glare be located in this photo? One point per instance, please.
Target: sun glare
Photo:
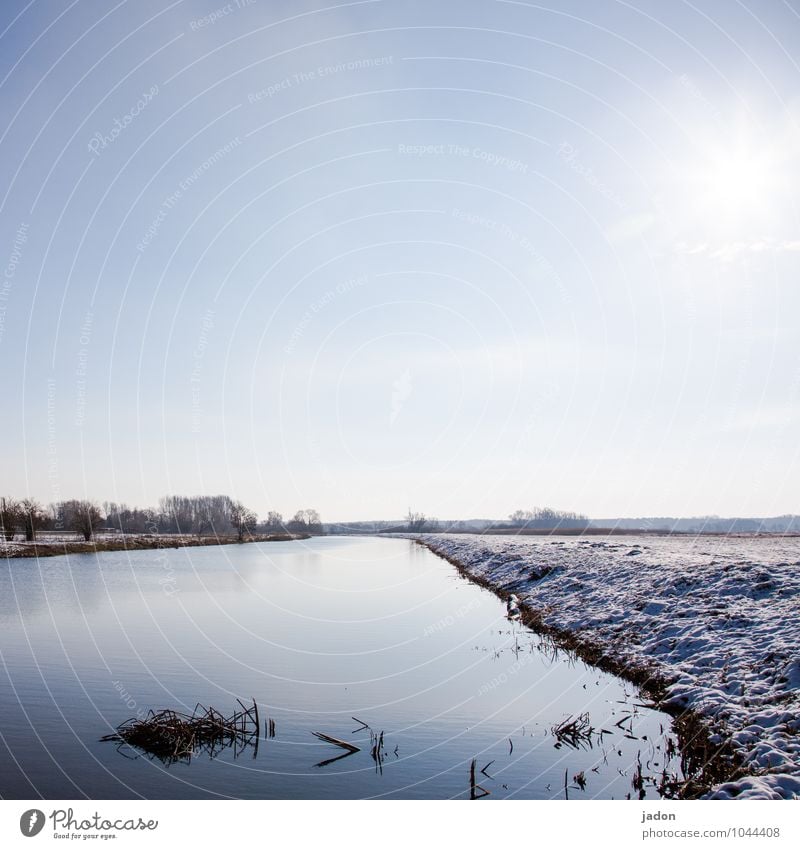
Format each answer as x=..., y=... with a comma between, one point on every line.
x=739, y=181
x=735, y=182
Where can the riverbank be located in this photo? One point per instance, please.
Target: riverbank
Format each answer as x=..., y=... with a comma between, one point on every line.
x=708, y=628
x=130, y=543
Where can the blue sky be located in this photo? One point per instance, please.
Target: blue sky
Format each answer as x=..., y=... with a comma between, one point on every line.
x=460, y=256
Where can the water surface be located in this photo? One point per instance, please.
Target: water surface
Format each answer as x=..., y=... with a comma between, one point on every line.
x=317, y=632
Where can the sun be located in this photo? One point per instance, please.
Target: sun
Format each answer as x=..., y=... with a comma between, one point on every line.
x=732, y=182
x=737, y=181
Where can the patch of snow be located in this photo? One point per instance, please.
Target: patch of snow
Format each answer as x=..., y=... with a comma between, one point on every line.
x=718, y=618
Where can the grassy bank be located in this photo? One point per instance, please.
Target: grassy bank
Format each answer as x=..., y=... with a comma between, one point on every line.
x=707, y=761
x=131, y=543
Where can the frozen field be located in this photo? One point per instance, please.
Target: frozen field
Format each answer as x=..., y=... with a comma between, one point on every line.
x=718, y=618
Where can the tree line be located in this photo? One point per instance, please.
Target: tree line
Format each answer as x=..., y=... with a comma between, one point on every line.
x=200, y=515
x=547, y=518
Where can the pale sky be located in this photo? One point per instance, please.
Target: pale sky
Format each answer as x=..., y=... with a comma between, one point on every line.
x=466, y=257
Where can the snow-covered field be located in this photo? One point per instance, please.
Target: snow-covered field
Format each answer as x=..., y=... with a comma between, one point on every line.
x=718, y=618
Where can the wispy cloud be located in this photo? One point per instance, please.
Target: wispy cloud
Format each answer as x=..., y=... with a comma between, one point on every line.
x=729, y=251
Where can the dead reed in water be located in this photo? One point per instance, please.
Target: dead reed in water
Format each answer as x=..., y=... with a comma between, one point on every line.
x=172, y=736
x=475, y=789
x=575, y=732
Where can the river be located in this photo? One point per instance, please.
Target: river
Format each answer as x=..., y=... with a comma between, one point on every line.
x=317, y=632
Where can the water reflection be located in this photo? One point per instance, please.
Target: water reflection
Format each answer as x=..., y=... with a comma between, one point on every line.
x=361, y=640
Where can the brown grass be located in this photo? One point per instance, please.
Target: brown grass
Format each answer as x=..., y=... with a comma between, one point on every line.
x=136, y=543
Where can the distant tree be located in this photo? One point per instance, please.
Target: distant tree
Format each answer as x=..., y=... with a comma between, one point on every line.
x=520, y=517
x=274, y=520
x=194, y=514
x=10, y=518
x=176, y=514
x=133, y=520
x=242, y=519
x=416, y=521
x=305, y=521
x=83, y=517
x=215, y=511
x=32, y=517
x=546, y=517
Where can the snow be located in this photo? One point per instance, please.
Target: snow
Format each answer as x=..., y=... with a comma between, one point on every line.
x=718, y=618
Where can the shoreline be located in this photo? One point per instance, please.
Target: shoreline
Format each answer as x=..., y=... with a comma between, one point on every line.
x=624, y=532
x=717, y=766
x=137, y=542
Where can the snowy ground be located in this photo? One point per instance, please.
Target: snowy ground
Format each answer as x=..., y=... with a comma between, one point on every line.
x=70, y=541
x=717, y=617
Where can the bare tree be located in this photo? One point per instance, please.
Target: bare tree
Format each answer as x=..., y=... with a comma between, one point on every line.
x=32, y=517
x=242, y=519
x=546, y=517
x=306, y=521
x=198, y=514
x=520, y=517
x=274, y=520
x=10, y=518
x=298, y=521
x=416, y=521
x=85, y=518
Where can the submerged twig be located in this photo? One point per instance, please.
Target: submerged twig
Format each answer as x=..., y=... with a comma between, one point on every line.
x=343, y=744
x=475, y=790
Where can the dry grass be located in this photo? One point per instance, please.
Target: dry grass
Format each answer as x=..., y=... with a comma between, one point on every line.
x=136, y=543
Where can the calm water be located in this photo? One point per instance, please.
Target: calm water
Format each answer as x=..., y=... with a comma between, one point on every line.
x=317, y=632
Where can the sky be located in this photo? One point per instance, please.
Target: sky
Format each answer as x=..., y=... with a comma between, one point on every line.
x=462, y=257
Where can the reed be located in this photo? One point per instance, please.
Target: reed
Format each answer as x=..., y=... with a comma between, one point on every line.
x=172, y=736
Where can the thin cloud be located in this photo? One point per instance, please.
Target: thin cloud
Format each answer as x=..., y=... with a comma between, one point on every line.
x=729, y=251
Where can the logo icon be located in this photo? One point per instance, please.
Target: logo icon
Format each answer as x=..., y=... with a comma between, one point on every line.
x=31, y=822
